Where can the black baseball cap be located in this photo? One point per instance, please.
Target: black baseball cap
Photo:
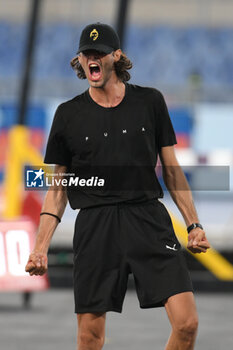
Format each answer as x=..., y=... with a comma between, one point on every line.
x=100, y=37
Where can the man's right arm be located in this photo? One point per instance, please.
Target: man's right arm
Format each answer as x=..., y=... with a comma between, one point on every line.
x=54, y=203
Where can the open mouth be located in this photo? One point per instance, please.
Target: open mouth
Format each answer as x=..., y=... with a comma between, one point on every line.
x=95, y=71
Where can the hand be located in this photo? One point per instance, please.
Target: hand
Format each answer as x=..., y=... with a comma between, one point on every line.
x=197, y=242
x=37, y=263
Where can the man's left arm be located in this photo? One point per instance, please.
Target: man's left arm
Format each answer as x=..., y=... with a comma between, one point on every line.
x=181, y=194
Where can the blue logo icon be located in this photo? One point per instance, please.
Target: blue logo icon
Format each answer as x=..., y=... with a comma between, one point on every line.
x=34, y=178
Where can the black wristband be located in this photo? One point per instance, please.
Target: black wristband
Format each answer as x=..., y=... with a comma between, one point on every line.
x=191, y=227
x=45, y=213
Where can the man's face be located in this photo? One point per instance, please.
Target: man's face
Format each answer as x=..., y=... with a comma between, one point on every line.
x=98, y=66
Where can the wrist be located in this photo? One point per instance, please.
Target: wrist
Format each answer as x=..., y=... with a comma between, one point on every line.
x=194, y=225
x=41, y=248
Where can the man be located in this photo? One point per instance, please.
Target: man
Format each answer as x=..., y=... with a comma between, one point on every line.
x=122, y=228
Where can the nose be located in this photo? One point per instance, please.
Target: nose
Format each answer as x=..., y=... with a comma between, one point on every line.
x=94, y=56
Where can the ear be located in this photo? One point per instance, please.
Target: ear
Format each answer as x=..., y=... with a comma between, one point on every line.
x=117, y=55
x=78, y=57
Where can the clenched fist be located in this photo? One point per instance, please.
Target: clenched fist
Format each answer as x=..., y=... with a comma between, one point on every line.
x=197, y=241
x=37, y=263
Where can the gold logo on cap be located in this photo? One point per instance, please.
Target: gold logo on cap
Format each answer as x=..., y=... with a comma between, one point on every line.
x=94, y=34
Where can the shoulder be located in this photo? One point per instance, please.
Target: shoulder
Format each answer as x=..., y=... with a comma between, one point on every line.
x=71, y=104
x=145, y=92
x=69, y=108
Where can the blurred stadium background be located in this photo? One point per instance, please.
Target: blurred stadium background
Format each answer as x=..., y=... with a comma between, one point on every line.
x=183, y=48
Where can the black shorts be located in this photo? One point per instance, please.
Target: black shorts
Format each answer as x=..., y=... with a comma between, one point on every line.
x=112, y=241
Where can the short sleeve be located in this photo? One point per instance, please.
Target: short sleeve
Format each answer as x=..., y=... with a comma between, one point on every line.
x=165, y=133
x=57, y=151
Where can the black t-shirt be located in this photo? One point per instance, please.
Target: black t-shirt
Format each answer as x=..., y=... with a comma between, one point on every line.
x=119, y=144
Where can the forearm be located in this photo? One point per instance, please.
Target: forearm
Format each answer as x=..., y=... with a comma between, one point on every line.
x=180, y=192
x=55, y=203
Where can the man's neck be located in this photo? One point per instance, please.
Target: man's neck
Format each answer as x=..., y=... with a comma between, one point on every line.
x=110, y=95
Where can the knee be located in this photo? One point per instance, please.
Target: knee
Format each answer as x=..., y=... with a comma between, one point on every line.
x=188, y=328
x=90, y=340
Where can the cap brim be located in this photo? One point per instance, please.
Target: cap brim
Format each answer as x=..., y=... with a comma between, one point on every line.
x=97, y=47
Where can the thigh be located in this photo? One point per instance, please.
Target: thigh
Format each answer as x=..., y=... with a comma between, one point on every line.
x=181, y=309
x=92, y=323
x=100, y=273
x=154, y=255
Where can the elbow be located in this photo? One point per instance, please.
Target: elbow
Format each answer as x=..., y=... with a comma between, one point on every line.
x=169, y=172
x=172, y=177
x=58, y=195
